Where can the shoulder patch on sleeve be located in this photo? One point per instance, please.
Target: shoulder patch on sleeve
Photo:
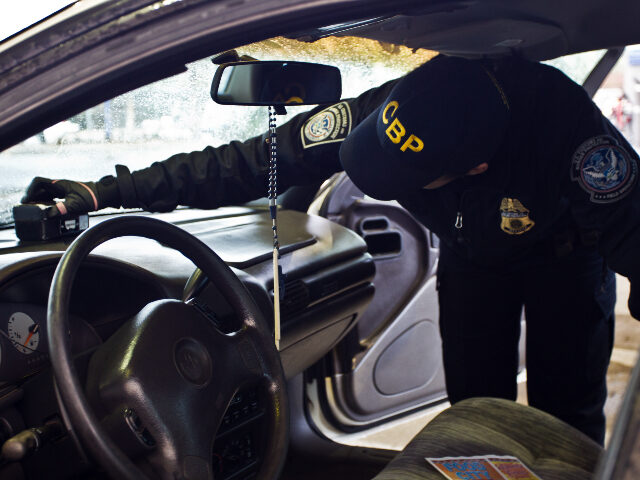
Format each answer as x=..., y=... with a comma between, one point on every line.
x=332, y=124
x=604, y=169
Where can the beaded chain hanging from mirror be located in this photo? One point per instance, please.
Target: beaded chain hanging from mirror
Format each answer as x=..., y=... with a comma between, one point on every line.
x=278, y=288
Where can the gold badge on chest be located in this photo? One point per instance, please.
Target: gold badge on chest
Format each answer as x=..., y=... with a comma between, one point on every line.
x=515, y=217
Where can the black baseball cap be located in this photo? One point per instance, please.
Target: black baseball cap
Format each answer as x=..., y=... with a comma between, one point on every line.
x=445, y=117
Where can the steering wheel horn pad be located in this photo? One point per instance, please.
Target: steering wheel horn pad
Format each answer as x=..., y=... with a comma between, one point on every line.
x=192, y=361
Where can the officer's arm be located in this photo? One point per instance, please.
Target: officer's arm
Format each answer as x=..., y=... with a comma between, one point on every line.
x=604, y=190
x=235, y=173
x=307, y=149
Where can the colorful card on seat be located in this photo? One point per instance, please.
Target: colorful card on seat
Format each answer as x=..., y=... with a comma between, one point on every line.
x=466, y=468
x=488, y=467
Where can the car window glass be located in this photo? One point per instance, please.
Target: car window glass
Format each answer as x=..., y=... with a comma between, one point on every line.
x=578, y=66
x=619, y=95
x=177, y=115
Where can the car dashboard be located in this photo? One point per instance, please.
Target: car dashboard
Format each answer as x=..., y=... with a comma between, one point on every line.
x=327, y=285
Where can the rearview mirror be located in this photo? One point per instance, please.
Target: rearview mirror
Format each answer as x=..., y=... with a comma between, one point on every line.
x=276, y=83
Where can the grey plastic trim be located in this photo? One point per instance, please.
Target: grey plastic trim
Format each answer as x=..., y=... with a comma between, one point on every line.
x=357, y=400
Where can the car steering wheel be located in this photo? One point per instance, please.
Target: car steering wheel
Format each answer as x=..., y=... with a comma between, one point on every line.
x=167, y=375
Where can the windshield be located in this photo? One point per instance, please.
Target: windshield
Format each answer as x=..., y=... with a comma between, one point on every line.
x=177, y=115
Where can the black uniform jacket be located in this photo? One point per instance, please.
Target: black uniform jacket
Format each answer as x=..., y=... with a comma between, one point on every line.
x=562, y=172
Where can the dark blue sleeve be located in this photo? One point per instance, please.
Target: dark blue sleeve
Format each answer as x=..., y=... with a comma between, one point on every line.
x=603, y=189
x=236, y=173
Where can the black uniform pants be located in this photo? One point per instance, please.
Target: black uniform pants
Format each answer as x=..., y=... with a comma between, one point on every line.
x=568, y=304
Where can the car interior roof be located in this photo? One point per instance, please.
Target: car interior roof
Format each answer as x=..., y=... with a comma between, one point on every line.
x=535, y=29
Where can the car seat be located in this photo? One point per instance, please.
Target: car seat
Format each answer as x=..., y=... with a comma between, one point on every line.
x=548, y=446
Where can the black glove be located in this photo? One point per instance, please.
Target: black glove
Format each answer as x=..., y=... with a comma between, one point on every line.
x=75, y=197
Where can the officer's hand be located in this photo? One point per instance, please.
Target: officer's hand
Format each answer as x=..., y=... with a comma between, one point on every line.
x=74, y=197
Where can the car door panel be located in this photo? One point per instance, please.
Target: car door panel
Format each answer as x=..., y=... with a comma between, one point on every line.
x=392, y=360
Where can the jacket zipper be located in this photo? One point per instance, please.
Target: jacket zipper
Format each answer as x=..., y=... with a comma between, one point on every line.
x=458, y=223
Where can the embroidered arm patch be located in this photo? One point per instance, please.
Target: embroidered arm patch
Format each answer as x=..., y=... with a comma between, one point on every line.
x=604, y=169
x=330, y=125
